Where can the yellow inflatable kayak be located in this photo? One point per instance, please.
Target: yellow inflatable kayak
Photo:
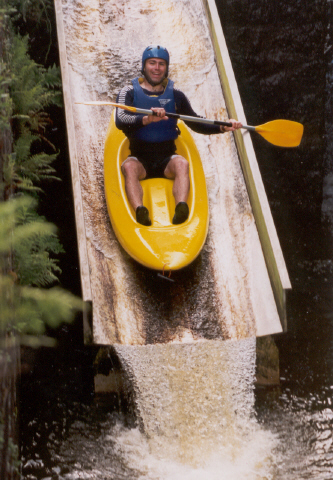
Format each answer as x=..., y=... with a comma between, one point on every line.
x=162, y=246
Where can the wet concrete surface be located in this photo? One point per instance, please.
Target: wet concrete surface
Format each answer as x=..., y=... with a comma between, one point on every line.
x=102, y=56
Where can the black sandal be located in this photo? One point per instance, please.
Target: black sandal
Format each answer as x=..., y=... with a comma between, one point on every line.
x=181, y=213
x=142, y=216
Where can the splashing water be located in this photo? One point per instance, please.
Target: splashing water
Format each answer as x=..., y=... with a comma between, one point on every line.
x=195, y=419
x=249, y=460
x=195, y=406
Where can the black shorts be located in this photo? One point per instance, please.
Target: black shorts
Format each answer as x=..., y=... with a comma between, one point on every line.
x=154, y=166
x=154, y=157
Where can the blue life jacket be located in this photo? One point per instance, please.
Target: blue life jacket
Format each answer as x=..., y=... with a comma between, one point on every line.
x=156, y=131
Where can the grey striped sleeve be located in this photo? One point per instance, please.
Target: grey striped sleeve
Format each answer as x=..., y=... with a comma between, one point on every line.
x=125, y=97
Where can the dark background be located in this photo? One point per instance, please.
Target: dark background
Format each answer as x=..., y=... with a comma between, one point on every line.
x=281, y=55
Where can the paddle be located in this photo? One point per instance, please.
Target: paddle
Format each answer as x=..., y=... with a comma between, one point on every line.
x=283, y=133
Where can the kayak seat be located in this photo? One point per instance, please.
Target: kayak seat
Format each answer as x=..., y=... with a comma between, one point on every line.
x=158, y=198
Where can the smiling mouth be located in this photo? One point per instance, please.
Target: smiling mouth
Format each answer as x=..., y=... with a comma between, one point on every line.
x=154, y=78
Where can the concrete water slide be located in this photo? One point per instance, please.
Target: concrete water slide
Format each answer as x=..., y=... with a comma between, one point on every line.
x=236, y=288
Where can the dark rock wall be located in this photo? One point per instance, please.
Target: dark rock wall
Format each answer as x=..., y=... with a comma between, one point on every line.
x=278, y=55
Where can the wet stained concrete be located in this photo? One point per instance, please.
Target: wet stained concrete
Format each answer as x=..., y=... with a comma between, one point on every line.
x=126, y=307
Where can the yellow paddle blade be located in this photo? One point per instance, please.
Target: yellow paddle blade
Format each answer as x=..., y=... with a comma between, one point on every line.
x=283, y=133
x=126, y=107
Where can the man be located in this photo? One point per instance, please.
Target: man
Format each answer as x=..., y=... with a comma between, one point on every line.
x=152, y=138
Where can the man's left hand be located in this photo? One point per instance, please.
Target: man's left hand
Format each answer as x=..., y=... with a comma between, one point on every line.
x=235, y=126
x=159, y=115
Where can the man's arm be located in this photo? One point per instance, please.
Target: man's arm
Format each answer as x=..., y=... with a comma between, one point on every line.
x=184, y=107
x=127, y=121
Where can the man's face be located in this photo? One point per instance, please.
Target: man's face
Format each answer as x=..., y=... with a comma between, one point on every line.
x=155, y=70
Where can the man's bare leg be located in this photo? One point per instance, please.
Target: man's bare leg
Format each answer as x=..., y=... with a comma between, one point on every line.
x=133, y=172
x=178, y=169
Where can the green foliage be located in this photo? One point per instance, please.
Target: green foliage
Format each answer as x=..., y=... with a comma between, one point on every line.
x=33, y=87
x=28, y=243
x=22, y=170
x=26, y=90
x=12, y=457
x=36, y=11
x=12, y=180
x=25, y=240
x=28, y=310
x=28, y=304
x=6, y=103
x=35, y=17
x=12, y=229
x=36, y=167
x=32, y=262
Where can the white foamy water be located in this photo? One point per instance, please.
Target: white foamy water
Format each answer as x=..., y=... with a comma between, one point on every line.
x=121, y=453
x=247, y=457
x=195, y=419
x=195, y=406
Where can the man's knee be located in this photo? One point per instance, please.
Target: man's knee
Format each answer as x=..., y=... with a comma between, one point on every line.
x=133, y=168
x=178, y=166
x=128, y=167
x=183, y=165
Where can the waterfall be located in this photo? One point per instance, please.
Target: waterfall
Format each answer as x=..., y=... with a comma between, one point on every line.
x=195, y=420
x=195, y=410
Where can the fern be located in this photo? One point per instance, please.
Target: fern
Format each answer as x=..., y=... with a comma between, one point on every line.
x=20, y=178
x=22, y=147
x=25, y=93
x=13, y=228
x=33, y=87
x=25, y=242
x=28, y=310
x=32, y=261
x=34, y=10
x=34, y=167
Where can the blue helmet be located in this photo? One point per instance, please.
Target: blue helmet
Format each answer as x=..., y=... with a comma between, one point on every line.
x=155, y=51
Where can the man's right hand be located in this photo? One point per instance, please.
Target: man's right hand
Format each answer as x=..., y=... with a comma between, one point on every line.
x=160, y=115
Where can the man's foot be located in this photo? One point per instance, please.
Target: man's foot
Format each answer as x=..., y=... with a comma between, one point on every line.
x=181, y=213
x=142, y=216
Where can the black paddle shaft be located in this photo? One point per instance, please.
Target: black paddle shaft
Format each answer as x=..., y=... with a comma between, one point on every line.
x=194, y=119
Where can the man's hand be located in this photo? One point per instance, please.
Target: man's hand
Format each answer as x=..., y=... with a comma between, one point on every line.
x=235, y=126
x=160, y=115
